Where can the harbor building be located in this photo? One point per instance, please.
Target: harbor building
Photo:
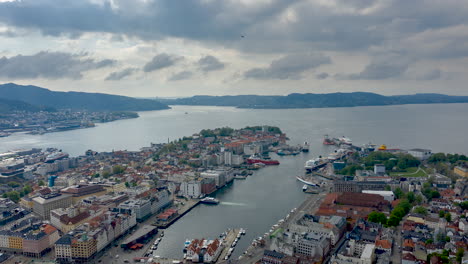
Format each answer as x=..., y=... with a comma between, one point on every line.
x=421, y=154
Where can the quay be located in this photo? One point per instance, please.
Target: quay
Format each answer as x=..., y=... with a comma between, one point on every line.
x=230, y=238
x=187, y=207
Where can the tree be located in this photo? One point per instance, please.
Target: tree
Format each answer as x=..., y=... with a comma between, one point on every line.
x=398, y=212
x=27, y=189
x=448, y=217
x=429, y=241
x=410, y=196
x=420, y=210
x=118, y=169
x=437, y=157
x=441, y=213
x=393, y=220
x=14, y=196
x=105, y=174
x=464, y=205
x=398, y=193
x=127, y=184
x=13, y=184
x=377, y=217
x=459, y=254
x=41, y=183
x=419, y=199
x=405, y=205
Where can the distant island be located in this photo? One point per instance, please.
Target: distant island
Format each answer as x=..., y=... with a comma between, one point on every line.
x=30, y=97
x=310, y=100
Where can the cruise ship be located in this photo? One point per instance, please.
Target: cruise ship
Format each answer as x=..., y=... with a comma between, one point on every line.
x=314, y=164
x=56, y=156
x=255, y=159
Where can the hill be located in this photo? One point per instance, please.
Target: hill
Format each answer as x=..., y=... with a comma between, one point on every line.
x=7, y=106
x=76, y=100
x=310, y=100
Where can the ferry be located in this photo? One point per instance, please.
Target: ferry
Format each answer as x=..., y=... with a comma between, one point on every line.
x=256, y=159
x=209, y=200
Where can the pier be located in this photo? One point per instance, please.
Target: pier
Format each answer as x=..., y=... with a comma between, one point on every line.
x=187, y=207
x=230, y=238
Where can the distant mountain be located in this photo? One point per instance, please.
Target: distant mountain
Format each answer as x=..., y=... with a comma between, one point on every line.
x=77, y=100
x=309, y=100
x=7, y=106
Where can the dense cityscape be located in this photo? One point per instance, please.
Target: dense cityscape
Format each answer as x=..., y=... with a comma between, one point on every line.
x=368, y=204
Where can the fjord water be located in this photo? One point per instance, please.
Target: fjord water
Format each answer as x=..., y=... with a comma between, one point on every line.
x=261, y=200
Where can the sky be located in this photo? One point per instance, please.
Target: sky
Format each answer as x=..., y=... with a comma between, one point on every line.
x=170, y=48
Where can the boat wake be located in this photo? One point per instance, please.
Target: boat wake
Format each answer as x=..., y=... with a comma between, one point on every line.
x=233, y=204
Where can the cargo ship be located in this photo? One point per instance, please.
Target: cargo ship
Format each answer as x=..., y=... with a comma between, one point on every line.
x=256, y=159
x=328, y=141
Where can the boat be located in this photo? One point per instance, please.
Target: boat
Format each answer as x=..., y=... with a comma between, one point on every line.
x=56, y=156
x=255, y=159
x=306, y=182
x=209, y=200
x=186, y=244
x=314, y=164
x=305, y=147
x=304, y=188
x=328, y=141
x=345, y=140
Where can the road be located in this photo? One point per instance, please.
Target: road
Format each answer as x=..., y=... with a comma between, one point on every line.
x=397, y=243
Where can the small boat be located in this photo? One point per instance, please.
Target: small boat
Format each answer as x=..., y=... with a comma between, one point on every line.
x=305, y=147
x=304, y=188
x=209, y=200
x=328, y=141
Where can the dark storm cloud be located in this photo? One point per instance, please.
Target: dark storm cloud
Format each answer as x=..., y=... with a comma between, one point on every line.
x=49, y=65
x=183, y=75
x=345, y=26
x=210, y=63
x=161, y=61
x=288, y=67
x=119, y=75
x=322, y=76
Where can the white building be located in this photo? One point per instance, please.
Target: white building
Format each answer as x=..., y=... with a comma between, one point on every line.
x=421, y=154
x=379, y=169
x=191, y=189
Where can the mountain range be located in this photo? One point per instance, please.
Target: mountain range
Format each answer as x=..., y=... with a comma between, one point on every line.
x=310, y=100
x=41, y=97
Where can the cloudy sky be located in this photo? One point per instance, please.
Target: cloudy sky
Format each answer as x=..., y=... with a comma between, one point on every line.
x=149, y=48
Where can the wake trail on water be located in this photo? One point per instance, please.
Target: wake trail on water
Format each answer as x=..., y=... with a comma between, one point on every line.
x=233, y=204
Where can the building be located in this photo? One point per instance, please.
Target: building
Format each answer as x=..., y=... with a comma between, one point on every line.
x=67, y=219
x=387, y=195
x=332, y=227
x=204, y=251
x=81, y=191
x=42, y=205
x=141, y=207
x=273, y=257
x=421, y=154
x=379, y=169
x=461, y=170
x=312, y=245
x=359, y=186
x=191, y=189
x=161, y=200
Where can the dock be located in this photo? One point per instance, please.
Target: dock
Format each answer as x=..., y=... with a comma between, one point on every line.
x=187, y=207
x=230, y=238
